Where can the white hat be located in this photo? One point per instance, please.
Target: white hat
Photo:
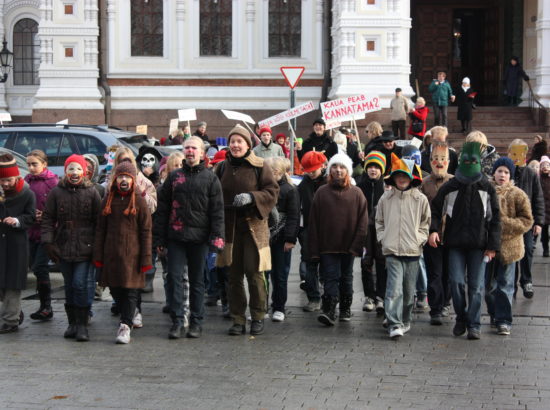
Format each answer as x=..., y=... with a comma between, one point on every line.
x=466, y=80
x=342, y=159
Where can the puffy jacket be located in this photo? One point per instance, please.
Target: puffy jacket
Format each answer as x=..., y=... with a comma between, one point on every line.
x=190, y=207
x=322, y=143
x=41, y=185
x=472, y=214
x=440, y=93
x=288, y=205
x=403, y=222
x=528, y=181
x=69, y=219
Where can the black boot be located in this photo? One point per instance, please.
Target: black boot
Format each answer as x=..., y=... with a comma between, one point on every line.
x=82, y=323
x=345, y=308
x=44, y=312
x=328, y=317
x=70, y=333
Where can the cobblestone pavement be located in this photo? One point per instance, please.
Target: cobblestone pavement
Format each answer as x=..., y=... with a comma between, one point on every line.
x=295, y=364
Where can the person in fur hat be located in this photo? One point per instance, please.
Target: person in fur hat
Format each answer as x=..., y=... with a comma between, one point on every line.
x=68, y=229
x=17, y=214
x=516, y=219
x=123, y=263
x=402, y=226
x=338, y=224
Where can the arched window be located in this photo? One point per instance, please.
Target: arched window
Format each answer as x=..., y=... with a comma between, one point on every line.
x=26, y=52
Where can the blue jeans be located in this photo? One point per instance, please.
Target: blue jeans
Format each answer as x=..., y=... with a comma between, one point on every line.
x=400, y=289
x=79, y=278
x=467, y=263
x=39, y=262
x=337, y=271
x=181, y=254
x=280, y=268
x=500, y=291
x=211, y=276
x=422, y=280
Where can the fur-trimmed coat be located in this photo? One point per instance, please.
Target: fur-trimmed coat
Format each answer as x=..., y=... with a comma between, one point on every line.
x=516, y=219
x=237, y=177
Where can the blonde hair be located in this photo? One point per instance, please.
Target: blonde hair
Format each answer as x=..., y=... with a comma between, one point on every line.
x=517, y=141
x=421, y=100
x=171, y=162
x=477, y=136
x=199, y=140
x=124, y=151
x=279, y=165
x=439, y=133
x=374, y=129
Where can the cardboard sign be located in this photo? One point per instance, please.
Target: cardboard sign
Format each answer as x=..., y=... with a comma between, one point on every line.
x=188, y=114
x=288, y=115
x=63, y=122
x=346, y=107
x=238, y=116
x=5, y=116
x=174, y=125
x=141, y=129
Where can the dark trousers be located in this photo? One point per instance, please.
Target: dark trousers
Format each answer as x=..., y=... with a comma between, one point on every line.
x=337, y=271
x=223, y=283
x=280, y=268
x=374, y=282
x=39, y=262
x=466, y=125
x=399, y=128
x=437, y=269
x=181, y=254
x=544, y=238
x=126, y=301
x=440, y=114
x=527, y=262
x=311, y=269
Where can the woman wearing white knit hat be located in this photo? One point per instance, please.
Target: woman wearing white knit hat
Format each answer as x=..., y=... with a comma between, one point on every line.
x=465, y=100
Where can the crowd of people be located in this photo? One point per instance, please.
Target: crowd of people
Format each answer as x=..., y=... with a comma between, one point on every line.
x=431, y=227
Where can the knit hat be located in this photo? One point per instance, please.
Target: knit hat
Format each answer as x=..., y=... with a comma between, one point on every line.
x=79, y=159
x=506, y=162
x=8, y=167
x=320, y=121
x=219, y=156
x=342, y=159
x=202, y=124
x=124, y=168
x=313, y=160
x=265, y=128
x=376, y=158
x=280, y=135
x=469, y=163
x=412, y=152
x=465, y=80
x=241, y=131
x=544, y=159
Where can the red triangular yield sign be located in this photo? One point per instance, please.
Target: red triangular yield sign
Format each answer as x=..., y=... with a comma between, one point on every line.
x=292, y=75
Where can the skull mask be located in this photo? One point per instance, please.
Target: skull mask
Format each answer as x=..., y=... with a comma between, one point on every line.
x=148, y=161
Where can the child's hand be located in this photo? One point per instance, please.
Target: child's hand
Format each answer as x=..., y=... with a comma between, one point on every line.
x=434, y=240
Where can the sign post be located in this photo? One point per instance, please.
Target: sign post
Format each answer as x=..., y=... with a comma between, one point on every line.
x=292, y=76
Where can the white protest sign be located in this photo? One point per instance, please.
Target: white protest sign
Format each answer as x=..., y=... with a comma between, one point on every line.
x=417, y=142
x=346, y=107
x=332, y=124
x=288, y=115
x=63, y=122
x=402, y=143
x=238, y=116
x=353, y=117
x=174, y=125
x=188, y=114
x=5, y=116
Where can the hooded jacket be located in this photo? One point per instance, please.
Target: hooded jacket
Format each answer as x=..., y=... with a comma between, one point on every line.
x=95, y=176
x=41, y=185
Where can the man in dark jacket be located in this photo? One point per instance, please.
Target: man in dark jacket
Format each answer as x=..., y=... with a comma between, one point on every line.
x=319, y=141
x=386, y=145
x=472, y=235
x=528, y=181
x=189, y=220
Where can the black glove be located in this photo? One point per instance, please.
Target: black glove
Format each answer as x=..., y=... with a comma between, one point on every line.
x=53, y=252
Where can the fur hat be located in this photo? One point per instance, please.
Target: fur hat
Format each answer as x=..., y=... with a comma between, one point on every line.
x=8, y=167
x=241, y=131
x=79, y=159
x=342, y=159
x=312, y=161
x=506, y=162
x=376, y=158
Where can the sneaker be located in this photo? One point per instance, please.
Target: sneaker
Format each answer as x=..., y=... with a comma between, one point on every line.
x=194, y=331
x=256, y=327
x=385, y=323
x=236, y=330
x=303, y=285
x=123, y=335
x=312, y=306
x=137, y=321
x=406, y=327
x=503, y=330
x=379, y=306
x=278, y=316
x=186, y=319
x=368, y=305
x=175, y=331
x=459, y=329
x=114, y=309
x=528, y=290
x=446, y=311
x=225, y=312
x=421, y=303
x=8, y=329
x=436, y=320
x=345, y=315
x=474, y=334
x=396, y=332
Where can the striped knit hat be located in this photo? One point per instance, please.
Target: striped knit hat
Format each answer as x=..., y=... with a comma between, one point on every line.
x=376, y=158
x=8, y=166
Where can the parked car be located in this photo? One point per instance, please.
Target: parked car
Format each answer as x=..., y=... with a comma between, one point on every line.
x=61, y=141
x=19, y=159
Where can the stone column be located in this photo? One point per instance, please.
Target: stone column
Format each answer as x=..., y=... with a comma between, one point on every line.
x=3, y=103
x=542, y=69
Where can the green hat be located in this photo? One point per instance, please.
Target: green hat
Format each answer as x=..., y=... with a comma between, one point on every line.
x=469, y=163
x=376, y=158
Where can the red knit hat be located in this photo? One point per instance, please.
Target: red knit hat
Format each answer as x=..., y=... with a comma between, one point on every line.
x=265, y=128
x=313, y=160
x=79, y=159
x=8, y=167
x=219, y=157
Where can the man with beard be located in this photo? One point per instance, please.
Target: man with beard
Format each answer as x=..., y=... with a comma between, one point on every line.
x=319, y=141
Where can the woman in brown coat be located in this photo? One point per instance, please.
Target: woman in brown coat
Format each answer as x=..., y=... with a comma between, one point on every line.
x=122, y=247
x=249, y=193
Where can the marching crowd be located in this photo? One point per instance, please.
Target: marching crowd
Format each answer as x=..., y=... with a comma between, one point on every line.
x=430, y=227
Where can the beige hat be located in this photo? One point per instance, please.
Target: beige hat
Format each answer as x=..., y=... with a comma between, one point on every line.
x=243, y=132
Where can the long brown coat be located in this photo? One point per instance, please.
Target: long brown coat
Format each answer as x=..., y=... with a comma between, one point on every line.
x=240, y=179
x=123, y=243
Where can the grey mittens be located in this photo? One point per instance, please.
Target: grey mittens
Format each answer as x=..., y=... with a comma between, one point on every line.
x=242, y=199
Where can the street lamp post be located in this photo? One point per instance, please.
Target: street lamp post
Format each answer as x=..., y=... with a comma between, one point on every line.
x=6, y=57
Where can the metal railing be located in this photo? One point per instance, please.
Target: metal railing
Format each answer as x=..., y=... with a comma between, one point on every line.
x=539, y=113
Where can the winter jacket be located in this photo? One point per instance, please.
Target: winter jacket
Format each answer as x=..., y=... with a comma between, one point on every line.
x=427, y=165
x=69, y=220
x=14, y=247
x=516, y=219
x=441, y=93
x=288, y=205
x=419, y=114
x=322, y=143
x=512, y=79
x=402, y=222
x=488, y=159
x=465, y=104
x=538, y=151
x=545, y=184
x=338, y=221
x=527, y=180
x=471, y=211
x=431, y=185
x=190, y=207
x=376, y=145
x=399, y=107
x=352, y=151
x=145, y=187
x=307, y=189
x=95, y=176
x=41, y=185
x=373, y=189
x=272, y=150
x=123, y=244
x=247, y=175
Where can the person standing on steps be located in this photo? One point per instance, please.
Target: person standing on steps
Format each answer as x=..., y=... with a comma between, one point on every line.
x=513, y=74
x=442, y=93
x=399, y=107
x=465, y=100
